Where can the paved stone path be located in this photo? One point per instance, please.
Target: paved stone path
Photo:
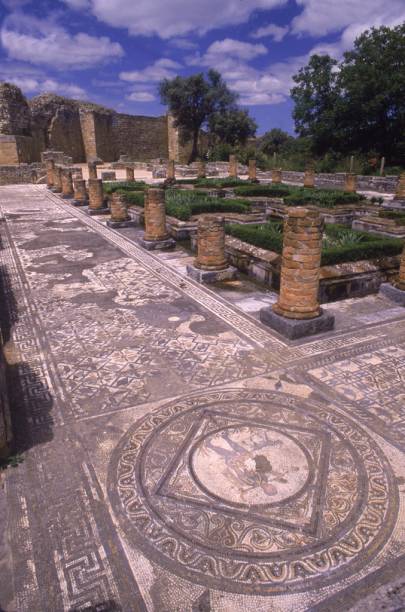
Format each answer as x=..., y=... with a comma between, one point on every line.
x=177, y=454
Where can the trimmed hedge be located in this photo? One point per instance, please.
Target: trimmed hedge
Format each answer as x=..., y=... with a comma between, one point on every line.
x=125, y=186
x=323, y=198
x=134, y=198
x=398, y=217
x=269, y=236
x=271, y=191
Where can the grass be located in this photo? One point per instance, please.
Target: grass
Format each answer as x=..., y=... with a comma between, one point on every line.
x=339, y=245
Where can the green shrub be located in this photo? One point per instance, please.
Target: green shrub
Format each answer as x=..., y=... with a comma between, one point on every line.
x=136, y=198
x=364, y=250
x=267, y=236
x=185, y=204
x=219, y=183
x=321, y=197
x=271, y=191
x=124, y=186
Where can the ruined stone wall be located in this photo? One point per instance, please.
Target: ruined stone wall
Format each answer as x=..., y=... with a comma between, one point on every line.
x=140, y=138
x=382, y=184
x=18, y=174
x=65, y=134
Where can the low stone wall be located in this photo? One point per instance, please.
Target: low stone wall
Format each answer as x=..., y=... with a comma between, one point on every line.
x=380, y=184
x=23, y=173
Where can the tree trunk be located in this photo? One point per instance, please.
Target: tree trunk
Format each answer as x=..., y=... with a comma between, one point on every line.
x=194, y=150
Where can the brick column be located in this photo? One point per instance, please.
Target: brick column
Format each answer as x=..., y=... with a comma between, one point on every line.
x=233, y=166
x=201, y=170
x=350, y=183
x=297, y=312
x=400, y=190
x=400, y=283
x=67, y=184
x=96, y=194
x=276, y=176
x=57, y=179
x=156, y=235
x=50, y=167
x=80, y=192
x=252, y=170
x=92, y=168
x=211, y=244
x=309, y=178
x=300, y=266
x=130, y=176
x=171, y=170
x=119, y=212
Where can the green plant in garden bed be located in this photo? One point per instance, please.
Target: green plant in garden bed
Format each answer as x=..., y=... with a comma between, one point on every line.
x=271, y=191
x=321, y=197
x=339, y=244
x=134, y=198
x=220, y=182
x=185, y=204
x=125, y=186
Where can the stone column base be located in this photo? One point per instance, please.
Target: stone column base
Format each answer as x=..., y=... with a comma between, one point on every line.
x=211, y=276
x=158, y=245
x=297, y=328
x=79, y=202
x=119, y=224
x=97, y=211
x=64, y=196
x=393, y=293
x=56, y=190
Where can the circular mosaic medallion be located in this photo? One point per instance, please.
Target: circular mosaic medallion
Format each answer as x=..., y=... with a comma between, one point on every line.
x=253, y=491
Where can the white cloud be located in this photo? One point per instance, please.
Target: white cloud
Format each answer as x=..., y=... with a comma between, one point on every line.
x=169, y=18
x=163, y=68
x=276, y=32
x=233, y=48
x=320, y=17
x=78, y=4
x=183, y=43
x=33, y=81
x=141, y=96
x=44, y=42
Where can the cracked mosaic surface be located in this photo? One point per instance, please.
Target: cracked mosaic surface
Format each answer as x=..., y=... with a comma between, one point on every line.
x=177, y=454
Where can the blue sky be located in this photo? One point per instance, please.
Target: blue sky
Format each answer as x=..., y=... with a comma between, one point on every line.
x=114, y=52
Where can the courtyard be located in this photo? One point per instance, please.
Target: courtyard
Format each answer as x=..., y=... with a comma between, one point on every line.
x=173, y=452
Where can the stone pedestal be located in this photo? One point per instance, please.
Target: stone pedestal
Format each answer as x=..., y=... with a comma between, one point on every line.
x=350, y=183
x=201, y=171
x=211, y=264
x=299, y=286
x=396, y=291
x=276, y=176
x=80, y=197
x=92, y=168
x=156, y=235
x=50, y=167
x=129, y=172
x=233, y=166
x=96, y=198
x=57, y=180
x=309, y=179
x=119, y=213
x=252, y=171
x=67, y=185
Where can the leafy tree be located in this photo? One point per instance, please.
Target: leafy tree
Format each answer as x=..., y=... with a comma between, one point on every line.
x=275, y=141
x=316, y=96
x=372, y=90
x=359, y=103
x=233, y=127
x=194, y=100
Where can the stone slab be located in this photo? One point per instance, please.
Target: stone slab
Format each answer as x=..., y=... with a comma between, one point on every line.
x=155, y=245
x=97, y=211
x=121, y=224
x=211, y=276
x=297, y=328
x=79, y=203
x=393, y=293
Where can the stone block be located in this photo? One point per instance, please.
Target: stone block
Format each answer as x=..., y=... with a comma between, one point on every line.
x=297, y=328
x=393, y=293
x=211, y=276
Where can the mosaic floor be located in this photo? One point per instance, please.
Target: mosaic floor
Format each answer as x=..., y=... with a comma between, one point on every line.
x=179, y=456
